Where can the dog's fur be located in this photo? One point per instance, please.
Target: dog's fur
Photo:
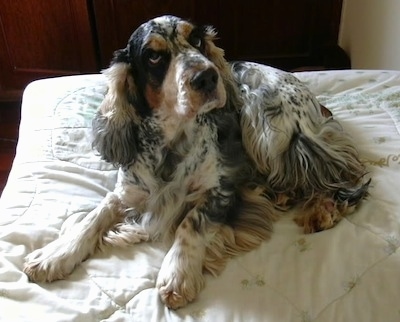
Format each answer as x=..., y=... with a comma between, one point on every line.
x=208, y=152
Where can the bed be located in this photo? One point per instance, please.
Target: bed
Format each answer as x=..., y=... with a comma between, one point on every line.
x=348, y=273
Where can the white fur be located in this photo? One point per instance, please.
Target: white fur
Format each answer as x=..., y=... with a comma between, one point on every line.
x=57, y=259
x=182, y=268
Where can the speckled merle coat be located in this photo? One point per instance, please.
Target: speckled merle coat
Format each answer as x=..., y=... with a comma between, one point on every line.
x=207, y=152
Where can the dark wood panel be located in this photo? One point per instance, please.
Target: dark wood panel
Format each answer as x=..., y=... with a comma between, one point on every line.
x=283, y=33
x=42, y=39
x=9, y=124
x=10, y=114
x=7, y=154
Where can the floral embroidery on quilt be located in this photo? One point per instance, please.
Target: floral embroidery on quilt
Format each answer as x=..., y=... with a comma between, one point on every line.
x=393, y=244
x=72, y=122
x=357, y=102
x=349, y=285
x=256, y=281
x=198, y=314
x=349, y=102
x=4, y=293
x=385, y=161
x=302, y=244
x=393, y=96
x=380, y=139
x=305, y=316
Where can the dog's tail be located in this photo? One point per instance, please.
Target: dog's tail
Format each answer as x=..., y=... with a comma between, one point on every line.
x=325, y=163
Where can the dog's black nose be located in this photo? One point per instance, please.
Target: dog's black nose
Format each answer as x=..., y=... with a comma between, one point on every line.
x=205, y=80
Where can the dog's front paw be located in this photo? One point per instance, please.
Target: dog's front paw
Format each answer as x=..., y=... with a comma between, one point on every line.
x=180, y=279
x=50, y=263
x=177, y=289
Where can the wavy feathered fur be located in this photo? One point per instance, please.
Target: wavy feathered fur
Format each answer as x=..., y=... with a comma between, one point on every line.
x=305, y=155
x=207, y=151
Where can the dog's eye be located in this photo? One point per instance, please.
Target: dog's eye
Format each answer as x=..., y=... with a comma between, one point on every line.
x=196, y=41
x=154, y=57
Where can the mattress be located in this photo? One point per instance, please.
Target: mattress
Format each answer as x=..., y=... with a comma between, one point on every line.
x=348, y=273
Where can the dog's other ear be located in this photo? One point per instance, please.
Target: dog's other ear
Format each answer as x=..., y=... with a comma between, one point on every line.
x=217, y=56
x=120, y=56
x=214, y=53
x=114, y=126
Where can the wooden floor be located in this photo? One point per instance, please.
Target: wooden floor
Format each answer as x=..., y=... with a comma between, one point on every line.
x=9, y=123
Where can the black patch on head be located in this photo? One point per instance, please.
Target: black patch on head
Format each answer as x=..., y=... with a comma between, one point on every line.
x=169, y=32
x=138, y=56
x=156, y=64
x=149, y=66
x=156, y=27
x=196, y=38
x=131, y=55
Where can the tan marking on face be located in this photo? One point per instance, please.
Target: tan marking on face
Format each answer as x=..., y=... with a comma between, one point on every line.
x=157, y=43
x=166, y=111
x=184, y=28
x=154, y=97
x=170, y=89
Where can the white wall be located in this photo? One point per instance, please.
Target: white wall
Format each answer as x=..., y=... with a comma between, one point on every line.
x=370, y=33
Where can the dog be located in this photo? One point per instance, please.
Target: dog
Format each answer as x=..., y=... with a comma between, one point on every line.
x=210, y=154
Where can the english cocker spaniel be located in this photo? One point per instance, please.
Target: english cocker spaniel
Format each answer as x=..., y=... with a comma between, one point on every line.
x=209, y=154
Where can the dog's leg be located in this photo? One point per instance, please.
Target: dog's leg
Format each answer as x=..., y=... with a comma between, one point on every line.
x=181, y=275
x=58, y=259
x=202, y=245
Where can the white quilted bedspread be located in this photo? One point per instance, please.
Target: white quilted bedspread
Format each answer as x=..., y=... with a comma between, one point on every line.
x=349, y=273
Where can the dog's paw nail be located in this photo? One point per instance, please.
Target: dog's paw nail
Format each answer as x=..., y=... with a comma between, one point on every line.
x=172, y=299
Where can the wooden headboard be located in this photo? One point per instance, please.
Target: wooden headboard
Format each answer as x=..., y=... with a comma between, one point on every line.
x=39, y=40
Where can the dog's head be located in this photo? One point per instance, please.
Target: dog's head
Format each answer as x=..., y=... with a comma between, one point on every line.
x=171, y=69
x=175, y=67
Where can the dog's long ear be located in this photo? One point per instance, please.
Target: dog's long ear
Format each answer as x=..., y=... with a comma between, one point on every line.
x=217, y=56
x=120, y=56
x=114, y=125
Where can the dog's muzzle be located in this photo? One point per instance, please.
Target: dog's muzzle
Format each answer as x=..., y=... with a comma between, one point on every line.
x=200, y=87
x=205, y=81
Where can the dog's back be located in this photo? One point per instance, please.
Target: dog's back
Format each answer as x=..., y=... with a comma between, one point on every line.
x=305, y=155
